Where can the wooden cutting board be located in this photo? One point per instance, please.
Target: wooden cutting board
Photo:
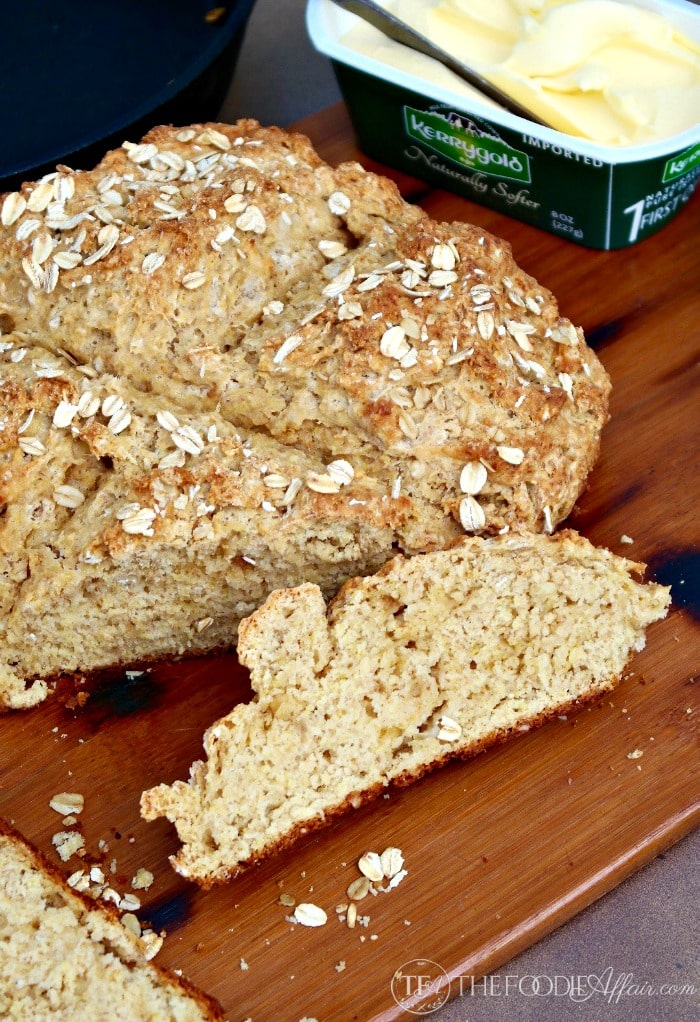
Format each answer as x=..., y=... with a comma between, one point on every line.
x=501, y=849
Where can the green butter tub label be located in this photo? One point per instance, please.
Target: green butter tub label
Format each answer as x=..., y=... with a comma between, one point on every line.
x=470, y=147
x=547, y=183
x=681, y=164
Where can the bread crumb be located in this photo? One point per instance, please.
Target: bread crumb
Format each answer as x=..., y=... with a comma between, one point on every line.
x=624, y=538
x=67, y=843
x=635, y=754
x=142, y=879
x=244, y=965
x=340, y=967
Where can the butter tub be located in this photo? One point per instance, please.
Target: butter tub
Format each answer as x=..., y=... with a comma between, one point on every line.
x=598, y=196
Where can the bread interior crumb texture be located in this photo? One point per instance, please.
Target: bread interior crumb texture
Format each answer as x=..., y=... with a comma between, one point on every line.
x=434, y=657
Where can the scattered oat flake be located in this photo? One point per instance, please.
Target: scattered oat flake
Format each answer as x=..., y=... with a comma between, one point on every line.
x=341, y=282
x=88, y=404
x=332, y=249
x=441, y=278
x=153, y=942
x=391, y=861
x=139, y=522
x=252, y=219
x=12, y=208
x=193, y=280
x=393, y=343
x=67, y=802
x=370, y=866
x=40, y=197
x=167, y=420
x=68, y=496
x=276, y=481
x=235, y=203
x=341, y=471
x=152, y=262
x=289, y=345
x=443, y=257
x=130, y=903
x=131, y=922
x=119, y=421
x=64, y=414
x=111, y=404
x=548, y=523
x=309, y=914
x=397, y=878
x=322, y=482
x=358, y=889
x=31, y=445
x=188, y=439
x=512, y=455
x=140, y=153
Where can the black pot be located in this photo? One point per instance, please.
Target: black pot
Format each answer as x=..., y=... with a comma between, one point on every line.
x=79, y=77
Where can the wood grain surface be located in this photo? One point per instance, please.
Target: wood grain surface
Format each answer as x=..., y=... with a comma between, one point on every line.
x=501, y=849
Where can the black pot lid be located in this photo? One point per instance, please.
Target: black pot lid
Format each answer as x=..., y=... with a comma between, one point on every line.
x=74, y=72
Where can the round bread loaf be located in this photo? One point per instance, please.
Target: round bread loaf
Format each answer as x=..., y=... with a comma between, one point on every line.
x=226, y=367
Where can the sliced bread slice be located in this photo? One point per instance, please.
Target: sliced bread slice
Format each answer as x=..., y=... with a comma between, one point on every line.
x=434, y=657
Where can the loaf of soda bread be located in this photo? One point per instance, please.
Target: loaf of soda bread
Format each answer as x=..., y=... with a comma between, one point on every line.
x=65, y=958
x=434, y=657
x=400, y=381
